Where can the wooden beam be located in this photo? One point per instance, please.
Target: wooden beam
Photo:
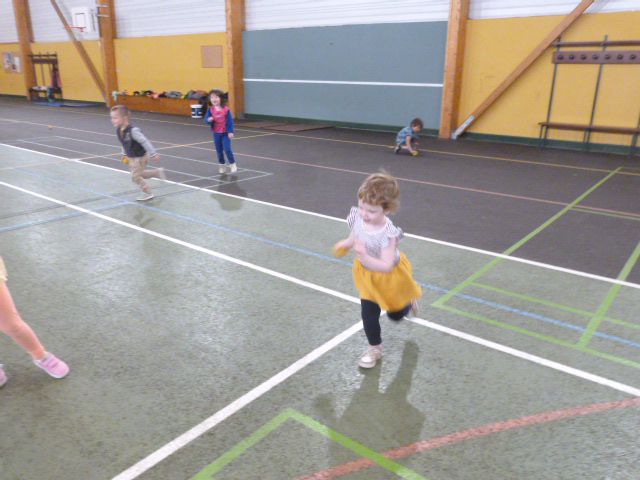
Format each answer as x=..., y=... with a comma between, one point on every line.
x=25, y=37
x=456, y=33
x=107, y=25
x=526, y=63
x=235, y=11
x=83, y=53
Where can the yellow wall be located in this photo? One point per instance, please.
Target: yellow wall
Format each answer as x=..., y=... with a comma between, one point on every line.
x=495, y=47
x=148, y=63
x=168, y=63
x=11, y=83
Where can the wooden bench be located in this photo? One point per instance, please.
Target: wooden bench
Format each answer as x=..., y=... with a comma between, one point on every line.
x=175, y=106
x=588, y=129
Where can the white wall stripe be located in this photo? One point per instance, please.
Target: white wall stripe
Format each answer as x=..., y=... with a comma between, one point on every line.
x=340, y=82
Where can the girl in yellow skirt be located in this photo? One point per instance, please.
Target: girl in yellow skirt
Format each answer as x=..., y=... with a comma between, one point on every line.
x=383, y=275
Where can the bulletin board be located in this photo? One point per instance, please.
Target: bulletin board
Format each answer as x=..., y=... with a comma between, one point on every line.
x=11, y=62
x=211, y=56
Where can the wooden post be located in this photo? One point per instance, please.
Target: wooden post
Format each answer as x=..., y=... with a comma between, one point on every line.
x=235, y=11
x=107, y=25
x=526, y=63
x=25, y=37
x=456, y=32
x=83, y=53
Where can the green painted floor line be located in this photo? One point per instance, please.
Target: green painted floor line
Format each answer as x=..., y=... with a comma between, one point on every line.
x=210, y=470
x=479, y=273
x=359, y=449
x=548, y=303
x=539, y=336
x=290, y=414
x=608, y=356
x=595, y=322
x=607, y=214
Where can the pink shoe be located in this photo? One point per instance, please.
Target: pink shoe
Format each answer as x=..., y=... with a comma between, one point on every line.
x=3, y=377
x=53, y=366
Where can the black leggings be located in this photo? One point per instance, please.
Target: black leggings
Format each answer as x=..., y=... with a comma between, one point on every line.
x=371, y=319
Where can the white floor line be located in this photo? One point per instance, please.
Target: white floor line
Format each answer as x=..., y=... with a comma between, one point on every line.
x=92, y=142
x=108, y=156
x=59, y=127
x=458, y=246
x=176, y=444
x=384, y=145
x=529, y=357
x=69, y=149
x=27, y=165
x=177, y=145
x=170, y=448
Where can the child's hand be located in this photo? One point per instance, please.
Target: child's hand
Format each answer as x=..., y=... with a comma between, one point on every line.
x=414, y=153
x=210, y=119
x=230, y=135
x=156, y=158
x=341, y=248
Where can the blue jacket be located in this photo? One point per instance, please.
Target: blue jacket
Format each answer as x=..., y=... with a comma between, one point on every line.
x=229, y=123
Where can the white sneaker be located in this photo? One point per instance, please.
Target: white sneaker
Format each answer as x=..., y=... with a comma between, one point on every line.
x=371, y=357
x=222, y=169
x=161, y=174
x=3, y=376
x=233, y=168
x=145, y=197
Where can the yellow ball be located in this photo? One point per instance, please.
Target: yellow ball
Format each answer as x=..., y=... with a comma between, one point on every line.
x=125, y=160
x=339, y=251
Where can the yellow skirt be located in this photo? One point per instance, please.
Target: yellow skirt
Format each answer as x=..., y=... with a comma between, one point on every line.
x=392, y=290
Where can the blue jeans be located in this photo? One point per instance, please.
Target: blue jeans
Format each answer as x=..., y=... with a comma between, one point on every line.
x=222, y=143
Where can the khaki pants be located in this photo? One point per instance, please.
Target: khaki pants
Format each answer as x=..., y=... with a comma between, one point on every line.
x=137, y=167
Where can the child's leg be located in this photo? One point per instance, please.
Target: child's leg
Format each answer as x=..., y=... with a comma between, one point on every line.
x=12, y=325
x=399, y=315
x=136, y=166
x=371, y=321
x=226, y=144
x=217, y=141
x=152, y=172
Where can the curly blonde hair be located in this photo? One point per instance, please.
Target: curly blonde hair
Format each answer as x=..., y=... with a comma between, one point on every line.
x=381, y=189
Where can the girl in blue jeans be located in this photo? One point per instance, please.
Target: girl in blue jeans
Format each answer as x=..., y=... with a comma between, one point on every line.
x=221, y=120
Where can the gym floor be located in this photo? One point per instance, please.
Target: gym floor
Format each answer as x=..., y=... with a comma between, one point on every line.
x=211, y=334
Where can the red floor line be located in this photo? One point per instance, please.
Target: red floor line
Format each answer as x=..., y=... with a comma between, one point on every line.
x=424, y=182
x=470, y=434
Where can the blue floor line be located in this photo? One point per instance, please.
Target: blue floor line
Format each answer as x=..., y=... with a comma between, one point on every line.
x=568, y=326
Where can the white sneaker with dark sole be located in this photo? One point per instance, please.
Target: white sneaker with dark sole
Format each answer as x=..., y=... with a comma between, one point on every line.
x=222, y=169
x=145, y=198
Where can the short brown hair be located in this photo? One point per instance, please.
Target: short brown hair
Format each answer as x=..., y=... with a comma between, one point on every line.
x=121, y=110
x=380, y=189
x=417, y=122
